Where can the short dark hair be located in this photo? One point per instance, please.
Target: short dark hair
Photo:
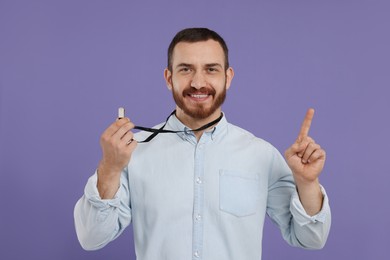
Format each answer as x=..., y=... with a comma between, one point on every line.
x=197, y=35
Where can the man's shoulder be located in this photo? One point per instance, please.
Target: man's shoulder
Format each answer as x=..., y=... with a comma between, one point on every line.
x=246, y=136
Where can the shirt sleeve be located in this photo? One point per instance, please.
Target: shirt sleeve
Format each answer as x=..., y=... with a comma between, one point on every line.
x=287, y=212
x=99, y=221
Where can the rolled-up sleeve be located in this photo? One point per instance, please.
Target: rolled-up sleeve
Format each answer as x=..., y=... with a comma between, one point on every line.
x=311, y=231
x=99, y=221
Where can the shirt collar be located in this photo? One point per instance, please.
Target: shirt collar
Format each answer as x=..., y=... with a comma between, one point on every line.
x=175, y=124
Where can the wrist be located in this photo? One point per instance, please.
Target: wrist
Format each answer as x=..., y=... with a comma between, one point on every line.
x=307, y=184
x=108, y=181
x=310, y=195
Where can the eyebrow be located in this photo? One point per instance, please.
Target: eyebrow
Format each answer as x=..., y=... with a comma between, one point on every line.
x=183, y=65
x=208, y=65
x=213, y=65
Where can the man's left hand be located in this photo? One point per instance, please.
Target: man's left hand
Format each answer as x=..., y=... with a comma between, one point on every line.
x=305, y=157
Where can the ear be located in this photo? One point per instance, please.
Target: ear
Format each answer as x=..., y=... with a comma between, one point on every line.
x=229, y=77
x=168, y=78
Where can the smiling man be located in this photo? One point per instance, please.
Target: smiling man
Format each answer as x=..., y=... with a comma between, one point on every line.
x=199, y=187
x=198, y=78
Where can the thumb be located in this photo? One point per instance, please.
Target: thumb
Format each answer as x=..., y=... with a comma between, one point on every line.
x=295, y=149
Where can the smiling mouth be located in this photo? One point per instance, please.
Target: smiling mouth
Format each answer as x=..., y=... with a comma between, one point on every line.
x=199, y=96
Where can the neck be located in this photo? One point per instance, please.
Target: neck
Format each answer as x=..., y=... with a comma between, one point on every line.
x=194, y=123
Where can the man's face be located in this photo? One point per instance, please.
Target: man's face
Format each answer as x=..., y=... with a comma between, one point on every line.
x=198, y=79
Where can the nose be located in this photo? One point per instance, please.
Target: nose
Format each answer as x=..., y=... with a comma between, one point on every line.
x=198, y=81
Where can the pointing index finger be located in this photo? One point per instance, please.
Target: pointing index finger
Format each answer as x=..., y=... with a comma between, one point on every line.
x=306, y=124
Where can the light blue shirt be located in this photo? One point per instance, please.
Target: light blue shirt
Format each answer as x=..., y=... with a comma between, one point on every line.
x=201, y=200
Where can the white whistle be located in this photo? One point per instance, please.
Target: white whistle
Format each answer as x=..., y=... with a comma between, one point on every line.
x=121, y=112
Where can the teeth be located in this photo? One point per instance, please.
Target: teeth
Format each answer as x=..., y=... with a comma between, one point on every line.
x=199, y=95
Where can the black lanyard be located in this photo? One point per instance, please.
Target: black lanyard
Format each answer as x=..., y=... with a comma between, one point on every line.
x=161, y=130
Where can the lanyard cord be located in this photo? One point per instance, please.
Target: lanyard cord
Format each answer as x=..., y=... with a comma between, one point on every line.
x=162, y=130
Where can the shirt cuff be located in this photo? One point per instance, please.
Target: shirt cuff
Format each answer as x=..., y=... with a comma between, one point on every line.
x=300, y=215
x=92, y=194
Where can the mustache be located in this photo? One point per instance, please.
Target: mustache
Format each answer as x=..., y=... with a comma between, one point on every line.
x=203, y=90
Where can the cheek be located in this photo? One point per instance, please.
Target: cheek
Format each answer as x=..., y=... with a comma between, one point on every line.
x=218, y=84
x=180, y=83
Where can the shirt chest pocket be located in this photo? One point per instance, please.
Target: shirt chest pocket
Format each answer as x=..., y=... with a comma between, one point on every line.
x=238, y=193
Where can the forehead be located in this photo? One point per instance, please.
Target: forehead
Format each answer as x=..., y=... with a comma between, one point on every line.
x=209, y=51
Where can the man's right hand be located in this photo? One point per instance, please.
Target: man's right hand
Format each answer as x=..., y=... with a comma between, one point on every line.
x=117, y=145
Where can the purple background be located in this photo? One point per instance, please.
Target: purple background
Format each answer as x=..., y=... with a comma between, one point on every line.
x=65, y=67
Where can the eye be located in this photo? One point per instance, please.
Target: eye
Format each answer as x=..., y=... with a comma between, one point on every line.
x=184, y=69
x=212, y=69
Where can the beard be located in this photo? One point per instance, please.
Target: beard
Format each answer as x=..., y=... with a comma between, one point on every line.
x=199, y=111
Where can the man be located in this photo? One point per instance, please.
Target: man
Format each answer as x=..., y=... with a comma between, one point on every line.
x=202, y=194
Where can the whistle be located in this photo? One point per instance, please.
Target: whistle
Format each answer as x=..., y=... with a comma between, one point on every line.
x=121, y=112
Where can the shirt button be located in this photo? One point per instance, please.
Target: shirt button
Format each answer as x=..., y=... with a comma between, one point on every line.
x=196, y=254
x=198, y=180
x=198, y=217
